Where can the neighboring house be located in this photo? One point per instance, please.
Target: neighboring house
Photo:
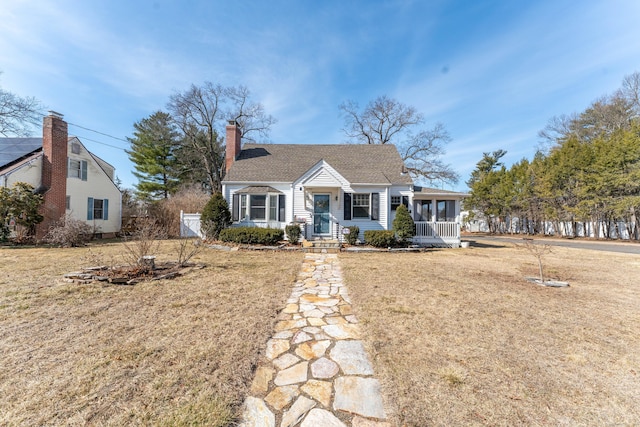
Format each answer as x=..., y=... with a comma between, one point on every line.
x=71, y=179
x=329, y=187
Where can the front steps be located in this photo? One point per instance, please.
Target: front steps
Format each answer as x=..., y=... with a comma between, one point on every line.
x=321, y=246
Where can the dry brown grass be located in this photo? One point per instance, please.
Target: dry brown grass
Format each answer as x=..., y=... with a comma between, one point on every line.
x=179, y=352
x=458, y=337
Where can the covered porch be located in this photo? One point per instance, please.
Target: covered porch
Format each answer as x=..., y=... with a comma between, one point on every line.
x=436, y=214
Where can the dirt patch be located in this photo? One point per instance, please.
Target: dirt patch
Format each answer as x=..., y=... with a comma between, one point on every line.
x=167, y=352
x=459, y=338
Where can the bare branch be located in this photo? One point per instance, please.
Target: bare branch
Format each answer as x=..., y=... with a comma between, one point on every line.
x=18, y=115
x=202, y=114
x=387, y=121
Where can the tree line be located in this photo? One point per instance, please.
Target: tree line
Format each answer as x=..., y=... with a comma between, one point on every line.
x=584, y=179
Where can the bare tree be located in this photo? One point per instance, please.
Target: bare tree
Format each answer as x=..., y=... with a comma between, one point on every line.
x=201, y=113
x=388, y=121
x=604, y=116
x=18, y=114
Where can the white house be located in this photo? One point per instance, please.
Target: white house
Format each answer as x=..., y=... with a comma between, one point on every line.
x=329, y=187
x=72, y=180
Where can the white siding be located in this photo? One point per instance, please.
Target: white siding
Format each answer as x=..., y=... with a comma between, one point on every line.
x=367, y=224
x=322, y=179
x=29, y=172
x=97, y=186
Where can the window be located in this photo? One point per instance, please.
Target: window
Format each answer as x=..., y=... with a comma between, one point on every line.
x=425, y=210
x=75, y=148
x=273, y=207
x=446, y=210
x=258, y=207
x=77, y=169
x=68, y=202
x=395, y=202
x=97, y=209
x=243, y=206
x=399, y=200
x=361, y=205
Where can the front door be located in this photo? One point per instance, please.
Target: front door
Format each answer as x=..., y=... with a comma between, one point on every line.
x=321, y=220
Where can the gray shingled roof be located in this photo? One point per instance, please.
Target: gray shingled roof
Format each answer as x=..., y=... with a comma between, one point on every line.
x=358, y=163
x=435, y=192
x=12, y=149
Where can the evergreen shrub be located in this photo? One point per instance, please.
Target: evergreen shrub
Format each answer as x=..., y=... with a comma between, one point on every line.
x=252, y=235
x=380, y=238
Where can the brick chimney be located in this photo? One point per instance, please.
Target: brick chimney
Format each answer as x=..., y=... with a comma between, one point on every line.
x=234, y=143
x=54, y=171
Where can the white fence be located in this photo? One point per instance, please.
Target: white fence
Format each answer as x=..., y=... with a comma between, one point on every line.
x=190, y=225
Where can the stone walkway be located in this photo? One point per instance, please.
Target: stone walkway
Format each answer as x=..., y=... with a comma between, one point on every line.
x=316, y=372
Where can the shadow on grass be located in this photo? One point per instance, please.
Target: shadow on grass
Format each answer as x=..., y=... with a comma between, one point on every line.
x=486, y=245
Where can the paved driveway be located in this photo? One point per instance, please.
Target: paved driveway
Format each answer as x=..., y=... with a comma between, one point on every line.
x=621, y=247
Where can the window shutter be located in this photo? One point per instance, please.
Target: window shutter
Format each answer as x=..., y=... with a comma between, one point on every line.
x=405, y=201
x=105, y=209
x=84, y=170
x=90, y=208
x=281, y=208
x=375, y=206
x=347, y=206
x=236, y=207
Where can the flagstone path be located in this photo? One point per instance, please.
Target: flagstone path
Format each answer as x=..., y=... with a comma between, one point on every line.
x=316, y=372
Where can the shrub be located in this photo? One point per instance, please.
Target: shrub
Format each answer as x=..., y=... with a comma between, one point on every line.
x=166, y=212
x=252, y=235
x=21, y=204
x=215, y=216
x=69, y=232
x=403, y=224
x=144, y=242
x=293, y=232
x=352, y=237
x=380, y=238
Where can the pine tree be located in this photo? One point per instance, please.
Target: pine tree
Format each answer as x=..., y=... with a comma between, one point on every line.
x=153, y=154
x=215, y=216
x=403, y=224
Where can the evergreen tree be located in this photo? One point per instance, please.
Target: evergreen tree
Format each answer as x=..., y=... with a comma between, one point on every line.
x=153, y=154
x=215, y=216
x=21, y=204
x=403, y=224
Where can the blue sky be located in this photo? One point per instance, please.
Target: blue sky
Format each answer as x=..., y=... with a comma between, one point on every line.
x=493, y=72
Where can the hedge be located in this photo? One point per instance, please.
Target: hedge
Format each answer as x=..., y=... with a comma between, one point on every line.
x=380, y=238
x=252, y=235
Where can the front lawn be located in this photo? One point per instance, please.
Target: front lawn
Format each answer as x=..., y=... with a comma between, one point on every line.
x=458, y=337
x=170, y=352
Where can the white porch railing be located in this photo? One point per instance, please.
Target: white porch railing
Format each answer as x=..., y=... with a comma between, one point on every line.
x=437, y=229
x=437, y=233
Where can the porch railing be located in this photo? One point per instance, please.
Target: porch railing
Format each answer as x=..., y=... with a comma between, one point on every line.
x=437, y=229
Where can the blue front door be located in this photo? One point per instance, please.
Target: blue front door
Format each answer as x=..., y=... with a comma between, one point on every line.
x=321, y=220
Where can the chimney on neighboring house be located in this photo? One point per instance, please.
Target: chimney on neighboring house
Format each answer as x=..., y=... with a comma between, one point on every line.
x=233, y=142
x=54, y=171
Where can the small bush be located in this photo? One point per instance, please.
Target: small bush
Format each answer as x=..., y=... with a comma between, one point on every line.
x=252, y=235
x=215, y=216
x=352, y=237
x=69, y=232
x=293, y=232
x=380, y=238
